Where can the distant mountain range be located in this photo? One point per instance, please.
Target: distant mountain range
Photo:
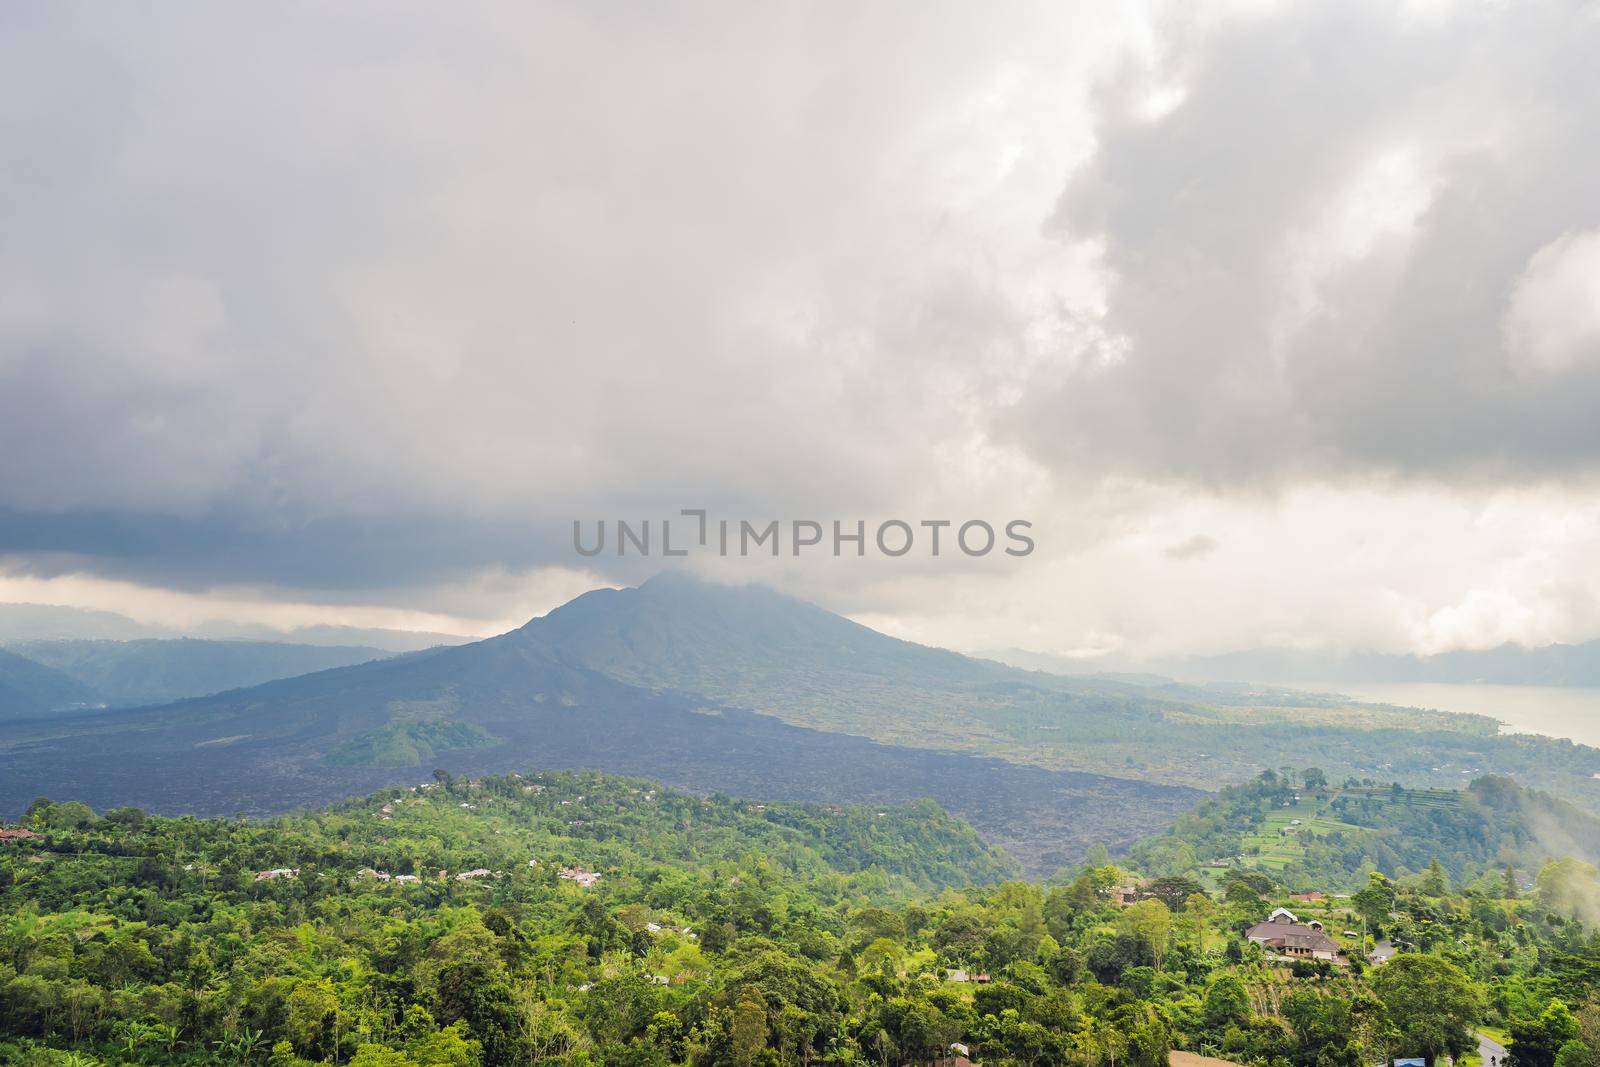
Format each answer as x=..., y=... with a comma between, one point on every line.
x=30, y=688
x=53, y=622
x=1509, y=664
x=746, y=691
x=154, y=671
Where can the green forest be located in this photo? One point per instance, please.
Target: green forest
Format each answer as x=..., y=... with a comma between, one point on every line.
x=588, y=919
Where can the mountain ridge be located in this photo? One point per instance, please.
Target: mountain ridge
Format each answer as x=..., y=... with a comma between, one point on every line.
x=148, y=670
x=28, y=687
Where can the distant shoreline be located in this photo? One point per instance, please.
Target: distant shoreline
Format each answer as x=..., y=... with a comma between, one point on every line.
x=1568, y=712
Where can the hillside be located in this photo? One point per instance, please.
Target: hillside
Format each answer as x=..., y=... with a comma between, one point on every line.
x=156, y=671
x=1315, y=835
x=28, y=688
x=604, y=822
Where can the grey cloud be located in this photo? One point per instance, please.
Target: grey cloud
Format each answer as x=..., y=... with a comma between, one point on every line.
x=336, y=557
x=1229, y=359
x=353, y=298
x=437, y=280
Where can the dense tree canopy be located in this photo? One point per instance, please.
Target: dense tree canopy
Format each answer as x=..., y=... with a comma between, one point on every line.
x=583, y=919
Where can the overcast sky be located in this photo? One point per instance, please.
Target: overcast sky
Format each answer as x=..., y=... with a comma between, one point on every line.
x=1280, y=322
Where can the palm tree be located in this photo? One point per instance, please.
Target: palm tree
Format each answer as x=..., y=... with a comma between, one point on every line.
x=168, y=1036
x=243, y=1045
x=136, y=1036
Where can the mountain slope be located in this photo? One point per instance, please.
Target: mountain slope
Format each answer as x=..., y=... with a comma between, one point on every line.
x=753, y=648
x=512, y=703
x=29, y=688
x=156, y=671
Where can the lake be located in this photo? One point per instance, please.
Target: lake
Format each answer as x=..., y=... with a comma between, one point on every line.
x=1527, y=709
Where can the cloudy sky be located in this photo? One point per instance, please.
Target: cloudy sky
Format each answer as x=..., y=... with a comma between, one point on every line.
x=1280, y=322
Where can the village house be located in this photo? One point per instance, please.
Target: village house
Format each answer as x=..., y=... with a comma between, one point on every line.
x=18, y=835
x=1287, y=936
x=956, y=974
x=579, y=875
x=475, y=873
x=277, y=872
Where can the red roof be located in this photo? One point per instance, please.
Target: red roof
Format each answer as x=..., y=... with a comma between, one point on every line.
x=17, y=835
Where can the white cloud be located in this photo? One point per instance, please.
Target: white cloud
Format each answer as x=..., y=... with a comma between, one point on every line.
x=1552, y=322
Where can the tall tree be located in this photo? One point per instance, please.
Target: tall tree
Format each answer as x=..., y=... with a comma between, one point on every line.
x=1432, y=1004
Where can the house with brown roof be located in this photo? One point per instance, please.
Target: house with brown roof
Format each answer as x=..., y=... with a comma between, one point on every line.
x=1287, y=936
x=18, y=835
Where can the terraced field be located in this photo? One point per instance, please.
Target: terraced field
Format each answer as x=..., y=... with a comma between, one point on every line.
x=1282, y=836
x=1280, y=840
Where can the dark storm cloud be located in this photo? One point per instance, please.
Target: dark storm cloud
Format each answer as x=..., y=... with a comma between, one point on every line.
x=347, y=300
x=1314, y=254
x=371, y=294
x=336, y=556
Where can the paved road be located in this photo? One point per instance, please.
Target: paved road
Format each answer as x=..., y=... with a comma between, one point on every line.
x=1490, y=1051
